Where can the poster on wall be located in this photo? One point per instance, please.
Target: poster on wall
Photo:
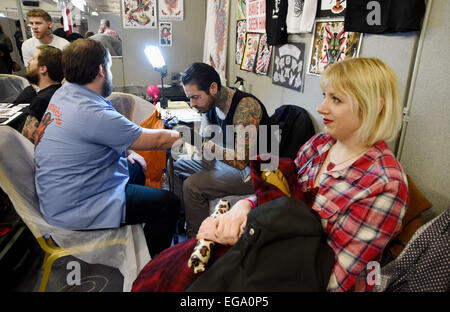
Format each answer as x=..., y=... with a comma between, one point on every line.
x=256, y=16
x=241, y=30
x=251, y=51
x=139, y=16
x=216, y=34
x=241, y=9
x=171, y=10
x=288, y=69
x=165, y=34
x=331, y=8
x=263, y=58
x=330, y=44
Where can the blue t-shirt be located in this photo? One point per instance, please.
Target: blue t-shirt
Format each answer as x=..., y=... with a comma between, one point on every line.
x=81, y=166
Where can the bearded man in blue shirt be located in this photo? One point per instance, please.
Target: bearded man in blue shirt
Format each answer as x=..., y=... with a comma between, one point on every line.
x=83, y=178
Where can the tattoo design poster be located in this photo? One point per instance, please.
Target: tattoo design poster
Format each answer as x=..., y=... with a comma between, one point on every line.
x=331, y=8
x=171, y=10
x=288, y=66
x=251, y=50
x=256, y=16
x=216, y=34
x=264, y=54
x=165, y=34
x=241, y=30
x=139, y=14
x=331, y=44
x=241, y=9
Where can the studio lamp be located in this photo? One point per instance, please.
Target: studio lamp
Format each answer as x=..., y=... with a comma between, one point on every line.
x=156, y=59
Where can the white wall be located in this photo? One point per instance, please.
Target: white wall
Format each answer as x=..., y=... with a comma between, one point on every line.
x=426, y=153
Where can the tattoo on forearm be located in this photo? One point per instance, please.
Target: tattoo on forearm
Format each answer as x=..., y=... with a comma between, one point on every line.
x=31, y=124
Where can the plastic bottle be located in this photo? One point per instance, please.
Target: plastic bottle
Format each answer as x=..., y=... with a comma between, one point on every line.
x=241, y=83
x=164, y=180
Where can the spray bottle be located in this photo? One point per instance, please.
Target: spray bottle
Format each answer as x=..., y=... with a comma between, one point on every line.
x=241, y=83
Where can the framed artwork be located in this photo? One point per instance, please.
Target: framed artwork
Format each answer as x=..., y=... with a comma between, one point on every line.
x=263, y=58
x=256, y=16
x=171, y=10
x=241, y=30
x=241, y=9
x=331, y=44
x=288, y=69
x=331, y=8
x=139, y=16
x=165, y=34
x=250, y=53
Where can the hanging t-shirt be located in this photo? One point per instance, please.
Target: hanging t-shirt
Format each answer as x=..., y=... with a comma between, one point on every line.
x=300, y=16
x=276, y=11
x=384, y=16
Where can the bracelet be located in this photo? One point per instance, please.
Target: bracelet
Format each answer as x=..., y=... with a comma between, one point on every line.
x=250, y=201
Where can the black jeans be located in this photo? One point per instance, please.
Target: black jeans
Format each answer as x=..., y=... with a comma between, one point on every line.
x=158, y=209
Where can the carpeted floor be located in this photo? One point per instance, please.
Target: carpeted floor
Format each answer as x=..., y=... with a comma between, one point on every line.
x=93, y=277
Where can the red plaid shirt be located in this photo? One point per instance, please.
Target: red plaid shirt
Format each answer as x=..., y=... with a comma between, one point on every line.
x=361, y=207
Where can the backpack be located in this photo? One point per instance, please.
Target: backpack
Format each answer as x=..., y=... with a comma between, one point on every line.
x=296, y=128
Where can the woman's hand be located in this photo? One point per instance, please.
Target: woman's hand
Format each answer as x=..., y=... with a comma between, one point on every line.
x=226, y=229
x=133, y=156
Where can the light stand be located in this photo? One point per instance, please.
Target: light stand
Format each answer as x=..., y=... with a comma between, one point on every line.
x=163, y=99
x=156, y=59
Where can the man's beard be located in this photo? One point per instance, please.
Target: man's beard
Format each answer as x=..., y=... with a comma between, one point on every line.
x=32, y=76
x=107, y=88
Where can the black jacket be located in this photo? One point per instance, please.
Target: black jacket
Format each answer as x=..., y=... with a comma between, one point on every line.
x=282, y=249
x=296, y=128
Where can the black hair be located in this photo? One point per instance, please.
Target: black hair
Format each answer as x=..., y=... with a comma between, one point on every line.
x=202, y=75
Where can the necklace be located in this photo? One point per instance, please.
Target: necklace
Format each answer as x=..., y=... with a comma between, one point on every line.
x=331, y=164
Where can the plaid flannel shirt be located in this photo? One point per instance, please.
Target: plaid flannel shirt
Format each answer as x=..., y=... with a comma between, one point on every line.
x=361, y=207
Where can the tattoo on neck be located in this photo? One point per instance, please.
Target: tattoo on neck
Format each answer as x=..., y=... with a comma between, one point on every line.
x=222, y=98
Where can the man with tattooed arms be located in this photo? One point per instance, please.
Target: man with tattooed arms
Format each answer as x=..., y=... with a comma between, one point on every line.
x=225, y=111
x=45, y=71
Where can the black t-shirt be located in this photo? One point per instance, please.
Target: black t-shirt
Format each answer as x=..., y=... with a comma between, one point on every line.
x=391, y=16
x=276, y=30
x=60, y=32
x=26, y=96
x=40, y=103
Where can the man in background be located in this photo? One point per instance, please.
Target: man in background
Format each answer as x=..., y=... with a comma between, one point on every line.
x=105, y=29
x=44, y=70
x=19, y=36
x=60, y=32
x=41, y=25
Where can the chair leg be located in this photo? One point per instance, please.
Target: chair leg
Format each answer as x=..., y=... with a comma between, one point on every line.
x=45, y=260
x=47, y=269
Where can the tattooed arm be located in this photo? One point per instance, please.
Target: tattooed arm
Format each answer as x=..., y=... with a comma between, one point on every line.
x=248, y=113
x=30, y=126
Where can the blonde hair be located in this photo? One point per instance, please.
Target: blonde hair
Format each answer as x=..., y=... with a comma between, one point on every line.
x=369, y=82
x=39, y=13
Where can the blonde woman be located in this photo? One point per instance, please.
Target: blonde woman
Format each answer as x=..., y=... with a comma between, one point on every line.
x=347, y=174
